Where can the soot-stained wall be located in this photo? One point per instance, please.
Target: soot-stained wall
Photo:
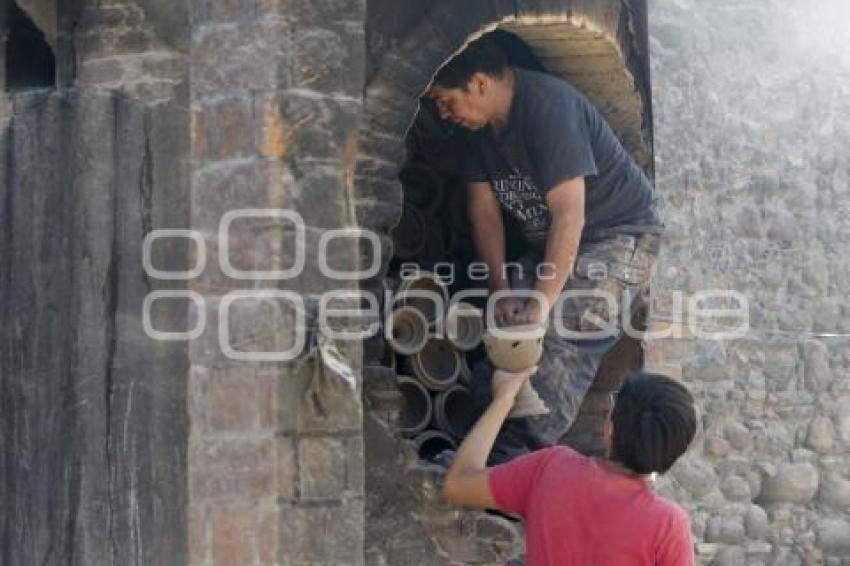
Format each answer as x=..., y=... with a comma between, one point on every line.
x=94, y=420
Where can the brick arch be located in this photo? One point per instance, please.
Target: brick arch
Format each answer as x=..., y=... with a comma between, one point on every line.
x=594, y=64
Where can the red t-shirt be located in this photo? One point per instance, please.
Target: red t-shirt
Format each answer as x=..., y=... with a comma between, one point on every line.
x=578, y=513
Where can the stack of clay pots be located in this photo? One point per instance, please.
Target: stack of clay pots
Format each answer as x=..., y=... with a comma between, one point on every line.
x=431, y=357
x=433, y=376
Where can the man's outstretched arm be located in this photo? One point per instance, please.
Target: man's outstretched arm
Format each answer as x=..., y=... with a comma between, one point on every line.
x=566, y=206
x=488, y=236
x=467, y=480
x=488, y=232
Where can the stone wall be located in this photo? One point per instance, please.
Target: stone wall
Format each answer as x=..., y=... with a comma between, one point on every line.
x=751, y=107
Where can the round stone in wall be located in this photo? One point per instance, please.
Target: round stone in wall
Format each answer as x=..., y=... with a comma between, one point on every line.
x=835, y=490
x=738, y=436
x=728, y=530
x=834, y=535
x=735, y=488
x=694, y=475
x=821, y=435
x=816, y=371
x=718, y=447
x=755, y=522
x=789, y=483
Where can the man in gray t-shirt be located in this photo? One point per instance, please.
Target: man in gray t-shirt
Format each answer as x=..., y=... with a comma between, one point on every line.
x=552, y=135
x=544, y=156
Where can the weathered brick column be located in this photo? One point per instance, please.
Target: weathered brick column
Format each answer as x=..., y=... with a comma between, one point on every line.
x=275, y=98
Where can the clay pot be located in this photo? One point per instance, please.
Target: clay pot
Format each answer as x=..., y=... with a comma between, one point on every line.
x=519, y=348
x=409, y=331
x=454, y=411
x=416, y=292
x=465, y=326
x=431, y=443
x=417, y=408
x=515, y=348
x=437, y=365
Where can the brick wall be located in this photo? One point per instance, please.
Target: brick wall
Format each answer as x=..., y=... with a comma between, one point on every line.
x=275, y=100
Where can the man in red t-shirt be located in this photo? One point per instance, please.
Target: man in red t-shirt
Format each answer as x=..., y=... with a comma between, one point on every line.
x=588, y=511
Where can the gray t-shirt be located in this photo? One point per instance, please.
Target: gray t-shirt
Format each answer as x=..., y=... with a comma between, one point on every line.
x=554, y=134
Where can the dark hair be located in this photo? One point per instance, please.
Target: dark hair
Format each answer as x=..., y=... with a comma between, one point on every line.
x=480, y=56
x=654, y=422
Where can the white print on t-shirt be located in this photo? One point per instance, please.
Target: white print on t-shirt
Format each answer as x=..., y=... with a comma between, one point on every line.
x=520, y=197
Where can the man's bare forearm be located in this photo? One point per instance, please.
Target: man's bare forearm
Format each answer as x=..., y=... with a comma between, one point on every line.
x=488, y=236
x=561, y=250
